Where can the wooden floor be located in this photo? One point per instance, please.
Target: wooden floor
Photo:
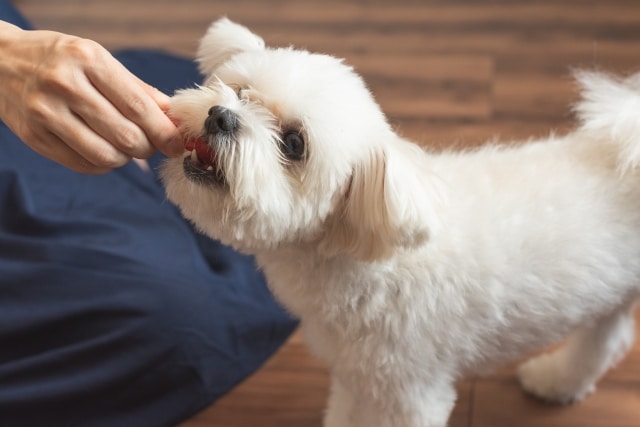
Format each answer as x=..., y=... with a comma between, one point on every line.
x=451, y=72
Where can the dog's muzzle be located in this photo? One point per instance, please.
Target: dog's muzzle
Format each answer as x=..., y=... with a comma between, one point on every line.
x=202, y=165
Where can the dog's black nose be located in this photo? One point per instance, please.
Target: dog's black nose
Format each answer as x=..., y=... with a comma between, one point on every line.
x=221, y=119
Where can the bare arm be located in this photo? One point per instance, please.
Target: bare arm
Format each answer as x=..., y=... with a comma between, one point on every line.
x=71, y=101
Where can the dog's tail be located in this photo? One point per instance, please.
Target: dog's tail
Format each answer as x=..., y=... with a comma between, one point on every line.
x=610, y=111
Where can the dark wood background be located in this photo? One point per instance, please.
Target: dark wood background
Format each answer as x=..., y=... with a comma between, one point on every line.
x=450, y=72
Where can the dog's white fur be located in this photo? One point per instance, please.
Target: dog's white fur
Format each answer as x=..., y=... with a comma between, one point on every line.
x=410, y=269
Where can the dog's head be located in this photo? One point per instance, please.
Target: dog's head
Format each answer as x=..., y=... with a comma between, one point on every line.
x=286, y=146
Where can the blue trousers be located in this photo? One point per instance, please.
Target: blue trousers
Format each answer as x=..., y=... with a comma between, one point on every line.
x=114, y=311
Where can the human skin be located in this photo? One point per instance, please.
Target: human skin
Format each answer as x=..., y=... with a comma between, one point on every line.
x=70, y=100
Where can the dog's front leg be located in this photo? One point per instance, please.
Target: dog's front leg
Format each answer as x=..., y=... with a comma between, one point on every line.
x=341, y=407
x=398, y=405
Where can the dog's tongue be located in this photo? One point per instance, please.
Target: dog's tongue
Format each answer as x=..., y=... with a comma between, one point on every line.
x=204, y=152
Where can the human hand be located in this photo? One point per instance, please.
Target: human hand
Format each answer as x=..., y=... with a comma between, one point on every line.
x=71, y=101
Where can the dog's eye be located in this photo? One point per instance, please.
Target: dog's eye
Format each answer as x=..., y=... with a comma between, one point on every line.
x=238, y=89
x=293, y=146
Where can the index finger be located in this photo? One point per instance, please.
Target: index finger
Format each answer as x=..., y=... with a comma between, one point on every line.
x=137, y=101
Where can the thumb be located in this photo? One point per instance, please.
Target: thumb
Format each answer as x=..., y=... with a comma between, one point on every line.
x=174, y=147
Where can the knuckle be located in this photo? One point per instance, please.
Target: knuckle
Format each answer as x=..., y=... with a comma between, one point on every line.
x=58, y=71
x=144, y=151
x=37, y=107
x=129, y=139
x=137, y=106
x=83, y=50
x=108, y=159
x=55, y=78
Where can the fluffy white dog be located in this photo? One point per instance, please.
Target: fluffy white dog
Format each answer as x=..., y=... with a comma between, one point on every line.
x=410, y=269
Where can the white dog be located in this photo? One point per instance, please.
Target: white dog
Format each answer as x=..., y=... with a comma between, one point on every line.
x=410, y=269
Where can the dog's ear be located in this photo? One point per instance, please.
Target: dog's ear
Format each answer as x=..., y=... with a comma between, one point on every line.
x=224, y=39
x=391, y=204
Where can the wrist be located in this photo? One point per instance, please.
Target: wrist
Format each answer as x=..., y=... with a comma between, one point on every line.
x=9, y=34
x=14, y=67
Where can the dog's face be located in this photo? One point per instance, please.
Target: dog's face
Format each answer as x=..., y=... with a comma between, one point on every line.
x=285, y=146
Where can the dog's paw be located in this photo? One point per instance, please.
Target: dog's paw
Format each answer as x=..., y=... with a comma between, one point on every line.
x=548, y=378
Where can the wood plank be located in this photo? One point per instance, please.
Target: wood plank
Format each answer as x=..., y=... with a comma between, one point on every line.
x=541, y=29
x=502, y=403
x=431, y=85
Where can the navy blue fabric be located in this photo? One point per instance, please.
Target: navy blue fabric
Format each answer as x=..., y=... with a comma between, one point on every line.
x=113, y=310
x=10, y=14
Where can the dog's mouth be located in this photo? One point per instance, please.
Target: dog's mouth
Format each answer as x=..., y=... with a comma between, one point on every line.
x=201, y=163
